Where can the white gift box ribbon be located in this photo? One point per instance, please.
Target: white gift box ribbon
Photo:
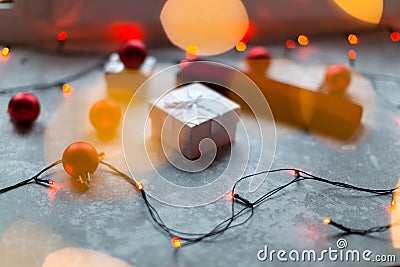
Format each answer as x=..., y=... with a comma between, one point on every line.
x=192, y=105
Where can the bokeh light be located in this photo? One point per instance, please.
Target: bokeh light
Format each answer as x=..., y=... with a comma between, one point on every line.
x=66, y=88
x=125, y=31
x=176, y=242
x=352, y=55
x=352, y=38
x=395, y=36
x=365, y=10
x=62, y=36
x=230, y=196
x=241, y=46
x=191, y=52
x=212, y=26
x=290, y=44
x=183, y=63
x=5, y=51
x=303, y=40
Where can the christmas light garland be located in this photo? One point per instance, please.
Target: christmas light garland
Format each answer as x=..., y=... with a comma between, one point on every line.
x=57, y=83
x=180, y=238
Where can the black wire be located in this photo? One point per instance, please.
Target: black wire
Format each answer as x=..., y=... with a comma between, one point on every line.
x=33, y=179
x=56, y=83
x=228, y=223
x=247, y=209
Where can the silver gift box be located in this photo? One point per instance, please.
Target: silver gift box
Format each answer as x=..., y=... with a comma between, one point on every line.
x=191, y=113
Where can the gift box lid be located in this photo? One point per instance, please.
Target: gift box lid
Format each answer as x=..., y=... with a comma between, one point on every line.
x=194, y=104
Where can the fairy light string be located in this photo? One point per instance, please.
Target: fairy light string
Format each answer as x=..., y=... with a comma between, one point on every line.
x=34, y=179
x=242, y=209
x=57, y=83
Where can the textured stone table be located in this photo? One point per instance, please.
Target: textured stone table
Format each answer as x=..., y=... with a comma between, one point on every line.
x=111, y=216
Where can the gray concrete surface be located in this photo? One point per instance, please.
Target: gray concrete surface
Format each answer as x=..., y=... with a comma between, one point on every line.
x=292, y=220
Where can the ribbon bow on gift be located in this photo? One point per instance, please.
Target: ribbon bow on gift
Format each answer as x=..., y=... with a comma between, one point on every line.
x=189, y=104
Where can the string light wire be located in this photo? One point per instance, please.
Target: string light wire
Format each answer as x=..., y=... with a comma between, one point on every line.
x=249, y=207
x=57, y=83
x=238, y=216
x=33, y=179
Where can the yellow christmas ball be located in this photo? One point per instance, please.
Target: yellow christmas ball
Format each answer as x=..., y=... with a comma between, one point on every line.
x=337, y=79
x=105, y=115
x=80, y=160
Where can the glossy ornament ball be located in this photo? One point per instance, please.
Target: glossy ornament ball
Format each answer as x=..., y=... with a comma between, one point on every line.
x=24, y=108
x=258, y=59
x=132, y=53
x=105, y=115
x=337, y=79
x=80, y=158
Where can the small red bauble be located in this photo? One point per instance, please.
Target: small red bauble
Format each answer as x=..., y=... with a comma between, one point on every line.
x=80, y=160
x=337, y=79
x=258, y=52
x=258, y=59
x=24, y=108
x=132, y=53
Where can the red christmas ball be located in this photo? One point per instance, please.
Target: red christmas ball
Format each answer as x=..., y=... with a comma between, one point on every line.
x=80, y=158
x=132, y=53
x=258, y=59
x=258, y=52
x=24, y=108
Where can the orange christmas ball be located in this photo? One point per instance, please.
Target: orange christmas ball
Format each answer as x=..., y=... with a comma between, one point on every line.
x=80, y=159
x=105, y=115
x=337, y=79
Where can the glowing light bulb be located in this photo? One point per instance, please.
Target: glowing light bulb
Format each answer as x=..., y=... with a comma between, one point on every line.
x=352, y=38
x=102, y=155
x=62, y=36
x=290, y=44
x=241, y=46
x=191, y=52
x=366, y=10
x=176, y=242
x=327, y=220
x=183, y=63
x=352, y=55
x=191, y=49
x=139, y=185
x=395, y=36
x=393, y=203
x=229, y=196
x=295, y=172
x=213, y=26
x=303, y=40
x=5, y=51
x=66, y=88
